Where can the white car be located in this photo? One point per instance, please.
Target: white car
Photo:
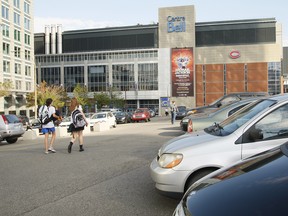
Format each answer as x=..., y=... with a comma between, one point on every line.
x=103, y=117
x=255, y=128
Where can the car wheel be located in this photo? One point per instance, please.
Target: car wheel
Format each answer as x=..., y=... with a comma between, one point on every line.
x=146, y=120
x=11, y=140
x=196, y=176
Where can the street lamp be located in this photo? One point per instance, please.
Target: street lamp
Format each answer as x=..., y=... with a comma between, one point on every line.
x=35, y=90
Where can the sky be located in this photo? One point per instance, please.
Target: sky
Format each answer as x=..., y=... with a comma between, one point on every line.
x=89, y=14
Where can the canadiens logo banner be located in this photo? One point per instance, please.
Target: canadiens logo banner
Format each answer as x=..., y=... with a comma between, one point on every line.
x=182, y=66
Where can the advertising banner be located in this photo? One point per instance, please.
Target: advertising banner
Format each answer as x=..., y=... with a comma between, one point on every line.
x=182, y=68
x=165, y=102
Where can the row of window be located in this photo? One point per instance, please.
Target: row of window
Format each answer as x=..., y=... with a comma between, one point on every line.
x=17, y=34
x=17, y=68
x=18, y=84
x=99, y=56
x=123, y=77
x=17, y=51
x=17, y=16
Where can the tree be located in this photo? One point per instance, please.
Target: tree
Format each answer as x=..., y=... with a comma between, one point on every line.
x=103, y=99
x=80, y=92
x=5, y=88
x=44, y=91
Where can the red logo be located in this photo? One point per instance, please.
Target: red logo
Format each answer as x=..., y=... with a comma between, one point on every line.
x=234, y=54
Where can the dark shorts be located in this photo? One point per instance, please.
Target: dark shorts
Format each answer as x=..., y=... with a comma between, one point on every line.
x=72, y=128
x=48, y=130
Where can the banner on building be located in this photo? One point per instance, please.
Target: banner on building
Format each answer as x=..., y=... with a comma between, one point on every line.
x=165, y=102
x=182, y=68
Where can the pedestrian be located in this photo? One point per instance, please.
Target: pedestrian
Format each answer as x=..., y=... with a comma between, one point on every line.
x=77, y=130
x=48, y=128
x=174, y=110
x=166, y=111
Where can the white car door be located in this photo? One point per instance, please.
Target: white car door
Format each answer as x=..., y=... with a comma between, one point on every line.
x=269, y=132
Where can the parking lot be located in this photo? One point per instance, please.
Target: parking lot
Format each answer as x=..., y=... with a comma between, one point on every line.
x=111, y=177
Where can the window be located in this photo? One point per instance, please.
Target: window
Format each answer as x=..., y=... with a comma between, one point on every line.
x=26, y=8
x=16, y=18
x=6, y=48
x=5, y=30
x=26, y=23
x=16, y=3
x=123, y=77
x=27, y=55
x=51, y=75
x=6, y=66
x=17, y=68
x=18, y=84
x=17, y=35
x=272, y=126
x=28, y=86
x=148, y=76
x=17, y=52
x=27, y=70
x=97, y=78
x=27, y=39
x=5, y=13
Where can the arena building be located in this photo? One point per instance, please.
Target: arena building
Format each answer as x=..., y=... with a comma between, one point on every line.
x=175, y=59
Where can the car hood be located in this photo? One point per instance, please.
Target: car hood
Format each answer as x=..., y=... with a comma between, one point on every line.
x=186, y=140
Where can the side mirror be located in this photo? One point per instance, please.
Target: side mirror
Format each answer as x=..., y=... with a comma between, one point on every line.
x=255, y=134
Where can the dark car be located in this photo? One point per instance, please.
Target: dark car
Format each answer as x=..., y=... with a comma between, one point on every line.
x=122, y=117
x=255, y=186
x=23, y=119
x=225, y=100
x=181, y=113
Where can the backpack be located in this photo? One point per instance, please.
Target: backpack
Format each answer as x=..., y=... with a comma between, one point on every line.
x=43, y=115
x=78, y=119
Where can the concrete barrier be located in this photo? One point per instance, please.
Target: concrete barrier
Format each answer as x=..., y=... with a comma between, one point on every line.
x=31, y=134
x=101, y=126
x=61, y=132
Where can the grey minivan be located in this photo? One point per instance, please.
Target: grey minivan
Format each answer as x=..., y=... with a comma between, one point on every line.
x=255, y=128
x=10, y=128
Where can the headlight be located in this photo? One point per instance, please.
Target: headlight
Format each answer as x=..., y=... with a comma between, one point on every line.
x=170, y=160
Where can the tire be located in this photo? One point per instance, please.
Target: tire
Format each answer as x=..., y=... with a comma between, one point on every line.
x=11, y=140
x=195, y=177
x=146, y=120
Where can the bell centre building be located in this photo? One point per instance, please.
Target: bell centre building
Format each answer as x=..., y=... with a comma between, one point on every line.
x=193, y=63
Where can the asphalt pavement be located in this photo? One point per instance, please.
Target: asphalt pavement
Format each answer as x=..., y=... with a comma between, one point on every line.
x=111, y=177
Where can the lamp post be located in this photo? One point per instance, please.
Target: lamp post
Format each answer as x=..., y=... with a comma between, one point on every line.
x=35, y=90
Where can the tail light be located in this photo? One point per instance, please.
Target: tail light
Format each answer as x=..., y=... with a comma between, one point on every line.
x=5, y=119
x=190, y=126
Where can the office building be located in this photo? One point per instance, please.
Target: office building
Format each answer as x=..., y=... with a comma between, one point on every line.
x=17, y=54
x=175, y=59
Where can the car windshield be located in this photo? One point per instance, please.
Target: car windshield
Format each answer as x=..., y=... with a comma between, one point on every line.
x=139, y=111
x=120, y=114
x=100, y=115
x=236, y=120
x=12, y=119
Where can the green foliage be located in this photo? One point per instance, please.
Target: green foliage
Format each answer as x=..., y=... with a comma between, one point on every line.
x=5, y=88
x=102, y=99
x=81, y=93
x=44, y=91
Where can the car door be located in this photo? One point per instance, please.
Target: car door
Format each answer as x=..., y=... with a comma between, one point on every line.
x=268, y=132
x=110, y=119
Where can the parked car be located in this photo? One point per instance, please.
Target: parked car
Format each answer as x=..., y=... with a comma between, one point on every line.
x=181, y=113
x=122, y=117
x=224, y=100
x=152, y=113
x=193, y=122
x=103, y=117
x=255, y=128
x=10, y=128
x=35, y=124
x=256, y=186
x=65, y=122
x=141, y=114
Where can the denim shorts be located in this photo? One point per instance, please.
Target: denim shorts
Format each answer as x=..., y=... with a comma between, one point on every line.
x=48, y=130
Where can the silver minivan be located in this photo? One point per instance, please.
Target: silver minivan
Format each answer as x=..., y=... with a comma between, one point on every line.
x=10, y=128
x=255, y=128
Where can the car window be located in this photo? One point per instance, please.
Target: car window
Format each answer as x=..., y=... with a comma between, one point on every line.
x=272, y=126
x=236, y=109
x=12, y=118
x=233, y=122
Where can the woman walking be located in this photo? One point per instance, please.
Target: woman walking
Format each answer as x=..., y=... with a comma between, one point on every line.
x=78, y=122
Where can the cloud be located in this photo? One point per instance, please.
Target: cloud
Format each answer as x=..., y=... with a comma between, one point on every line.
x=71, y=24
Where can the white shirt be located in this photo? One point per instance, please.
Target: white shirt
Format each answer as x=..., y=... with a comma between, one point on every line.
x=51, y=111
